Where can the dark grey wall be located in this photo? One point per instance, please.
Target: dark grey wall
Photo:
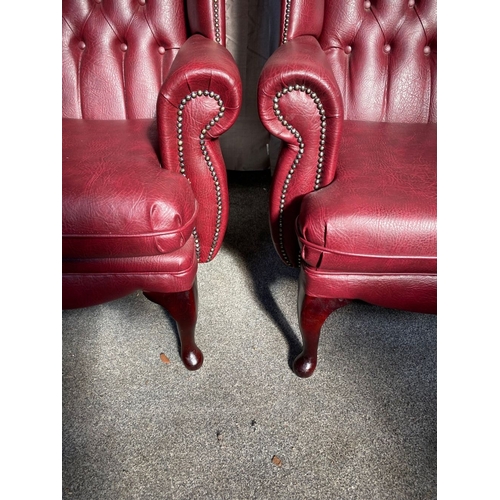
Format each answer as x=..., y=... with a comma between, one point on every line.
x=252, y=35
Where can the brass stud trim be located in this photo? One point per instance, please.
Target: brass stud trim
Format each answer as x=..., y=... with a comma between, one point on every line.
x=286, y=22
x=216, y=20
x=298, y=157
x=206, y=156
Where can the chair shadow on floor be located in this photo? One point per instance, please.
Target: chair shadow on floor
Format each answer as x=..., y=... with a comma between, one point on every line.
x=248, y=235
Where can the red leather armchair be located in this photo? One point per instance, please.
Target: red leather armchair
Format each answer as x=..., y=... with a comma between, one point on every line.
x=351, y=91
x=148, y=88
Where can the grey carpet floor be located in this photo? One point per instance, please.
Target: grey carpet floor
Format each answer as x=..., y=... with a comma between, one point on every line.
x=362, y=427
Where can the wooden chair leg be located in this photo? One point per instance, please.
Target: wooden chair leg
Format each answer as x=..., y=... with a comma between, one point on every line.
x=313, y=312
x=183, y=307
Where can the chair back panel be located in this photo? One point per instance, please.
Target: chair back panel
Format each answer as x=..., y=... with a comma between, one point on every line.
x=384, y=56
x=116, y=54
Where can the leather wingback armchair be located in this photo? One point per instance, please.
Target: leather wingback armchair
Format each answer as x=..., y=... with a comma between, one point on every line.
x=147, y=89
x=351, y=92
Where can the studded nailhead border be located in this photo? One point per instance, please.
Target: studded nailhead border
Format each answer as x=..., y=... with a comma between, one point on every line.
x=206, y=156
x=296, y=161
x=286, y=21
x=217, y=21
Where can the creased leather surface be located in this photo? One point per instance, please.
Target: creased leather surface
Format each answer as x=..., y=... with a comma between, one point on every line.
x=384, y=58
x=117, y=200
x=380, y=213
x=116, y=54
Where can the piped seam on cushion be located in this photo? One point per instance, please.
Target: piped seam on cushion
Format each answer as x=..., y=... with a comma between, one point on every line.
x=181, y=272
x=366, y=256
x=312, y=270
x=321, y=248
x=179, y=230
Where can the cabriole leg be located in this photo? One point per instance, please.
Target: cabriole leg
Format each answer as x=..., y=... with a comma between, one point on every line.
x=183, y=307
x=313, y=312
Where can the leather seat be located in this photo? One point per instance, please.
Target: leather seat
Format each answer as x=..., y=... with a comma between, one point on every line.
x=154, y=209
x=379, y=214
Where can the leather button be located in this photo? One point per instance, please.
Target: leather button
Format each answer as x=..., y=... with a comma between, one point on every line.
x=427, y=50
x=142, y=2
x=387, y=48
x=161, y=50
x=81, y=45
x=411, y=4
x=98, y=1
x=367, y=4
x=123, y=47
x=348, y=49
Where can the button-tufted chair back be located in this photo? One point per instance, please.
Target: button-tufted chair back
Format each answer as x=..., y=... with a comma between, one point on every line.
x=383, y=53
x=129, y=41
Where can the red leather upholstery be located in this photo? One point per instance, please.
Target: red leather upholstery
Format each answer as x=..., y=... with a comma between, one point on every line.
x=379, y=214
x=88, y=282
x=153, y=209
x=351, y=92
x=116, y=55
x=383, y=54
x=198, y=102
x=148, y=87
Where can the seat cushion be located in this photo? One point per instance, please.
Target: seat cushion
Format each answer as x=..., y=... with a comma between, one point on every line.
x=117, y=200
x=379, y=215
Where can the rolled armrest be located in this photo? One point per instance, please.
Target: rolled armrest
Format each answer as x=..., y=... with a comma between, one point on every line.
x=199, y=100
x=299, y=102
